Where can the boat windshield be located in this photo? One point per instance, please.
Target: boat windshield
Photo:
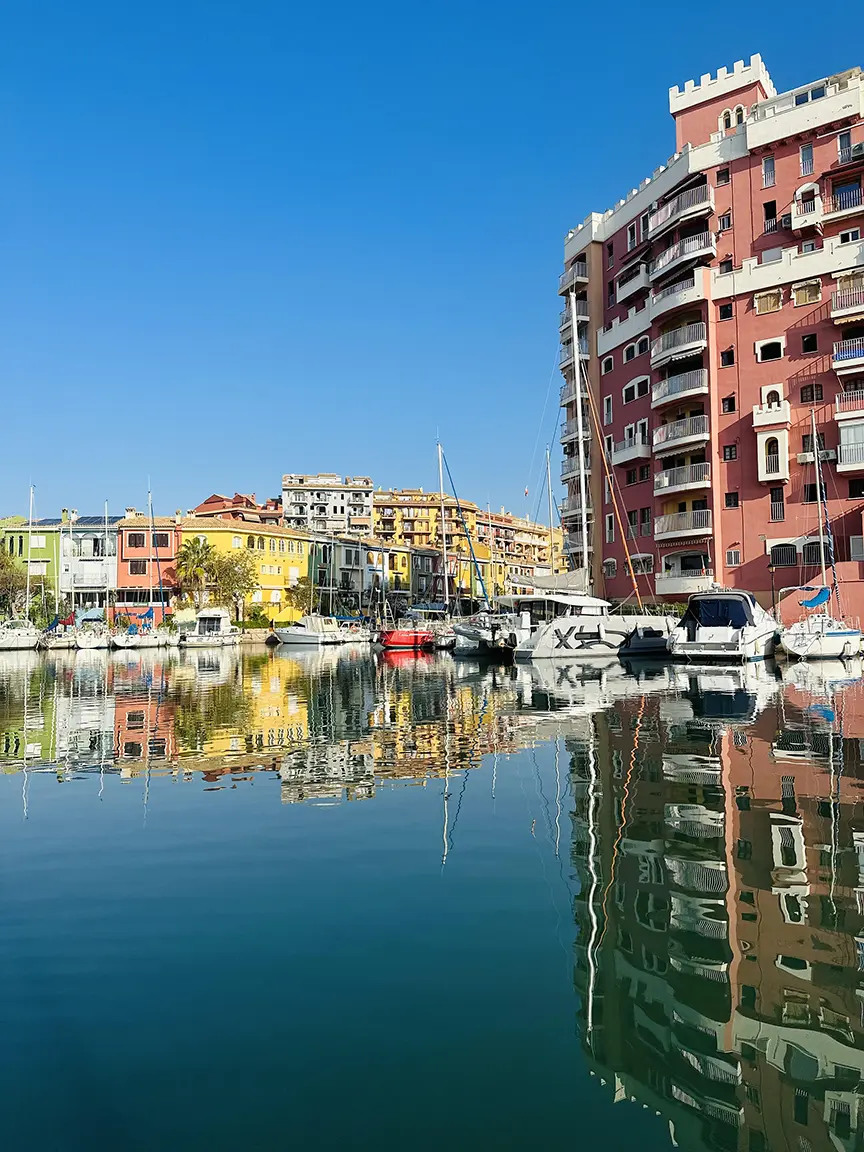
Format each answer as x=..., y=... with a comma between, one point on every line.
x=718, y=613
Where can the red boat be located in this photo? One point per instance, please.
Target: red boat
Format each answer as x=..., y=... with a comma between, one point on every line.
x=407, y=638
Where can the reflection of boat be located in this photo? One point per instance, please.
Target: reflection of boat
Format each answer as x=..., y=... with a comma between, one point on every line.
x=213, y=630
x=406, y=656
x=312, y=631
x=18, y=635
x=724, y=625
x=573, y=626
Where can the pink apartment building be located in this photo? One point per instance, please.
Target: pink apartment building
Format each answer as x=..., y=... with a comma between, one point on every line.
x=714, y=307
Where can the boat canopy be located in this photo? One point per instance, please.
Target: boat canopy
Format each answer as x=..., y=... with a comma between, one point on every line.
x=568, y=600
x=821, y=597
x=577, y=580
x=726, y=610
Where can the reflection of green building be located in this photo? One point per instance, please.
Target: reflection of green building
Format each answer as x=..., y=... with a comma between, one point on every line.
x=28, y=724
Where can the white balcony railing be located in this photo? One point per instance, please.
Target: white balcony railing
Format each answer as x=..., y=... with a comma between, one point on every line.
x=631, y=444
x=692, y=246
x=685, y=202
x=850, y=454
x=848, y=402
x=673, y=289
x=847, y=300
x=579, y=271
x=679, y=337
x=581, y=313
x=680, y=430
x=772, y=465
x=681, y=522
x=852, y=349
x=571, y=428
x=573, y=504
x=681, y=477
x=847, y=198
x=693, y=381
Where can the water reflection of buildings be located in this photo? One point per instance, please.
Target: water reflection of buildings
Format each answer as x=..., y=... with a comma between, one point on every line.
x=720, y=945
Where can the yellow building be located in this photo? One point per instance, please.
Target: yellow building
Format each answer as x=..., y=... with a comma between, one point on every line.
x=281, y=557
x=520, y=550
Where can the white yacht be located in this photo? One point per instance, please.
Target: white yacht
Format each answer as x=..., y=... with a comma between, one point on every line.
x=16, y=635
x=213, y=629
x=311, y=632
x=575, y=626
x=723, y=625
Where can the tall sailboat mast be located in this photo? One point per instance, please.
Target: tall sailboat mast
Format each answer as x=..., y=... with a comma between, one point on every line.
x=107, y=576
x=577, y=376
x=29, y=553
x=819, y=495
x=551, y=520
x=150, y=560
x=443, y=530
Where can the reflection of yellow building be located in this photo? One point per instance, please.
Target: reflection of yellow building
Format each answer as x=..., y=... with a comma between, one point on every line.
x=281, y=557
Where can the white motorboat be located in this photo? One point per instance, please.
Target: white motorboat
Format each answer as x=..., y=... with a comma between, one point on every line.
x=93, y=636
x=820, y=637
x=575, y=626
x=311, y=632
x=213, y=629
x=16, y=635
x=724, y=625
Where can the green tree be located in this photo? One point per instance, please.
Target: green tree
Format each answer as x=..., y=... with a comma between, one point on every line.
x=233, y=577
x=13, y=582
x=296, y=596
x=194, y=568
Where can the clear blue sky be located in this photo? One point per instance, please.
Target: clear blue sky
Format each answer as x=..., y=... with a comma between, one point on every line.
x=244, y=239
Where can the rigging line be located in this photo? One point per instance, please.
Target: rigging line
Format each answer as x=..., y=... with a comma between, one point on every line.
x=468, y=768
x=467, y=533
x=540, y=424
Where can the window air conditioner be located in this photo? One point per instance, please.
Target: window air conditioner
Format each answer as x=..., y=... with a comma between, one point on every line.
x=858, y=150
x=786, y=221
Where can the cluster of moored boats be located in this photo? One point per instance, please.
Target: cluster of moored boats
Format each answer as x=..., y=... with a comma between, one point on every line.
x=415, y=634
x=211, y=628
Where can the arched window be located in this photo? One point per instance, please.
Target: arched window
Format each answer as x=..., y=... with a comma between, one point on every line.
x=607, y=365
x=773, y=399
x=260, y=543
x=237, y=542
x=772, y=457
x=727, y=119
x=630, y=353
x=739, y=115
x=272, y=545
x=643, y=345
x=250, y=543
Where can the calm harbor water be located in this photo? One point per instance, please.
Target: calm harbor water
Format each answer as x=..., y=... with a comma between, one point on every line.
x=259, y=901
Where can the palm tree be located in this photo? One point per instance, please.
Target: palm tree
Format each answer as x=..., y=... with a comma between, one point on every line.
x=194, y=567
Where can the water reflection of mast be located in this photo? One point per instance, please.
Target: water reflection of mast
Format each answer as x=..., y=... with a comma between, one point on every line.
x=592, y=868
x=446, y=831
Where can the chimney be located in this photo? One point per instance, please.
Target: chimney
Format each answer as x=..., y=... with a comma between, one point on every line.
x=131, y=513
x=64, y=515
x=73, y=516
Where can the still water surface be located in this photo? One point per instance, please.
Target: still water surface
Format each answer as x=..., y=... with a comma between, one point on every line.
x=338, y=902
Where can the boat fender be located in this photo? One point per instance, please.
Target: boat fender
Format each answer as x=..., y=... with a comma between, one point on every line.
x=847, y=649
x=601, y=632
x=512, y=640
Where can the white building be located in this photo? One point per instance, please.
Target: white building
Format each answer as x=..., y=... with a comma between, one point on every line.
x=328, y=502
x=88, y=560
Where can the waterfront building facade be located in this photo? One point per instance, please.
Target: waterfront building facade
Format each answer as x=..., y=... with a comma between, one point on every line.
x=40, y=549
x=328, y=503
x=88, y=560
x=147, y=554
x=240, y=506
x=707, y=315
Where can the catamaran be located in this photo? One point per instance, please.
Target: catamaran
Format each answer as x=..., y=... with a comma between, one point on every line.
x=820, y=636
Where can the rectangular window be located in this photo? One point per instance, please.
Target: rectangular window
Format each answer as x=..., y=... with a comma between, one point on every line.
x=160, y=539
x=37, y=542
x=844, y=147
x=725, y=266
x=608, y=442
x=136, y=539
x=607, y=409
x=730, y=451
x=771, y=256
x=724, y=221
x=610, y=528
x=644, y=472
x=769, y=350
x=631, y=237
x=806, y=155
x=811, y=392
x=733, y=557
x=727, y=357
x=856, y=489
x=610, y=293
x=645, y=521
x=722, y=177
x=610, y=255
x=630, y=476
x=726, y=312
x=644, y=224
x=137, y=567
x=731, y=499
x=768, y=301
x=727, y=404
x=767, y=171
x=810, y=342
x=809, y=293
x=850, y=236
x=810, y=493
x=809, y=246
x=807, y=442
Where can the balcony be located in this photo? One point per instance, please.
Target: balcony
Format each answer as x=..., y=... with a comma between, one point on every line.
x=669, y=438
x=687, y=340
x=849, y=405
x=635, y=282
x=846, y=202
x=682, y=479
x=850, y=458
x=694, y=383
x=633, y=448
x=807, y=213
x=565, y=356
x=683, y=583
x=848, y=356
x=681, y=524
x=581, y=314
x=570, y=429
x=778, y=511
x=569, y=468
x=847, y=303
x=572, y=506
x=689, y=290
x=688, y=205
x=768, y=415
x=691, y=248
x=576, y=274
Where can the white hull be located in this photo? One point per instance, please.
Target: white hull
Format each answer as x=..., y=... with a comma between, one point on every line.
x=18, y=643
x=728, y=626
x=820, y=638
x=598, y=637
x=58, y=643
x=311, y=632
x=90, y=640
x=732, y=645
x=212, y=641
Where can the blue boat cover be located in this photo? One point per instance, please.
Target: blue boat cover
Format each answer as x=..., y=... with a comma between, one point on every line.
x=821, y=597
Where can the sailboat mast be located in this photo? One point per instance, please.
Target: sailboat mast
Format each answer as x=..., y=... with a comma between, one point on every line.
x=818, y=495
x=551, y=521
x=443, y=530
x=577, y=376
x=491, y=548
x=29, y=553
x=107, y=576
x=150, y=561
